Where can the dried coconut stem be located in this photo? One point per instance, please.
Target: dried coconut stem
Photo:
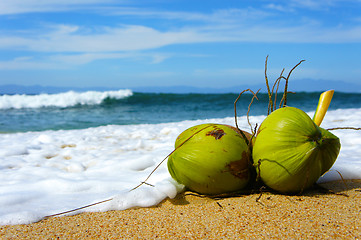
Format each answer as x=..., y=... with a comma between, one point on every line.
x=77, y=209
x=278, y=81
x=223, y=195
x=343, y=180
x=282, y=100
x=339, y=128
x=235, y=108
x=249, y=108
x=286, y=84
x=270, y=102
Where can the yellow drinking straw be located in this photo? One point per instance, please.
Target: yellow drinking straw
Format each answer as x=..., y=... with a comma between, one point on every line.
x=323, y=104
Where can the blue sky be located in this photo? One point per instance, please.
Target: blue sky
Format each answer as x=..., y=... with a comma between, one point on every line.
x=127, y=44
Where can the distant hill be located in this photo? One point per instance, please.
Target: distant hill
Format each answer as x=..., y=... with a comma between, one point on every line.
x=302, y=85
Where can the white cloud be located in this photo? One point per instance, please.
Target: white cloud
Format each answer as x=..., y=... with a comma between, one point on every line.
x=147, y=13
x=125, y=38
x=76, y=44
x=80, y=59
x=25, y=6
x=223, y=25
x=135, y=38
x=61, y=61
x=66, y=45
x=218, y=16
x=319, y=5
x=158, y=58
x=28, y=63
x=84, y=58
x=278, y=7
x=309, y=5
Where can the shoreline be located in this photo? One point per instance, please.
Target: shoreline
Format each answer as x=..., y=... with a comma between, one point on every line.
x=314, y=214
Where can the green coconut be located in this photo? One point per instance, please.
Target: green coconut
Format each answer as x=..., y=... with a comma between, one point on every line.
x=211, y=159
x=291, y=152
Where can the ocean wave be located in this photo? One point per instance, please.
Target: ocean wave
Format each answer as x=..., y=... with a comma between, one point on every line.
x=66, y=99
x=106, y=162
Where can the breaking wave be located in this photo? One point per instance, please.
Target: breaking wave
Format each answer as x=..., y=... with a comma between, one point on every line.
x=63, y=100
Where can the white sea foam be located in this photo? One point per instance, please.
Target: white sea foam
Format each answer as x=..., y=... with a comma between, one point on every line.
x=43, y=173
x=66, y=99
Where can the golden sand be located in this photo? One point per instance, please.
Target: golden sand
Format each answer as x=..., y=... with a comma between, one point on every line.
x=313, y=215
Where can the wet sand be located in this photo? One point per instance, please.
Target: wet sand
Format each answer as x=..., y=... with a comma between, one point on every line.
x=315, y=214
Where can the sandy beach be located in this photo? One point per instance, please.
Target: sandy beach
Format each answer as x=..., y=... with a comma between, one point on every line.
x=316, y=214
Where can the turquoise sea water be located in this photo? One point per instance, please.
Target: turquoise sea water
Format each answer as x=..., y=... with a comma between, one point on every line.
x=142, y=108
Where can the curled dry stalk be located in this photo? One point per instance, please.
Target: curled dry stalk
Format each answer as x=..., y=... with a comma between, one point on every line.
x=77, y=209
x=262, y=188
x=283, y=102
x=278, y=80
x=326, y=190
x=343, y=180
x=270, y=102
x=249, y=109
x=340, y=128
x=240, y=193
x=286, y=84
